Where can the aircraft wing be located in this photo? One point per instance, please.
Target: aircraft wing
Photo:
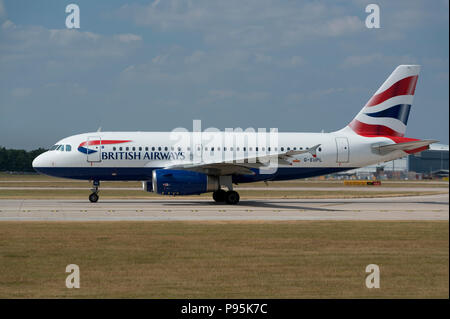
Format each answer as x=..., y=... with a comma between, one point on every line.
x=384, y=149
x=241, y=166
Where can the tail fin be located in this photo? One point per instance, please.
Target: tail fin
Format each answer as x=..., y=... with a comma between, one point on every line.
x=386, y=113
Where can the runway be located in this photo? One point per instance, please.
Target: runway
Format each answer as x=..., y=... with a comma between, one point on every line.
x=429, y=207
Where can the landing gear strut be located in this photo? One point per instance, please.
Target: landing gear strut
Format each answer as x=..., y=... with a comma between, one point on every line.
x=93, y=198
x=230, y=197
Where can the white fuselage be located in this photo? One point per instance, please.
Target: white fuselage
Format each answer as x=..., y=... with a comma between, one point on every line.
x=133, y=155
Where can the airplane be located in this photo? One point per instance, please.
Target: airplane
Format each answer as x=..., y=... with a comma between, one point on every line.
x=188, y=163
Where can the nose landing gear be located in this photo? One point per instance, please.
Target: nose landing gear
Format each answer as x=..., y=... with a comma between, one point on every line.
x=93, y=198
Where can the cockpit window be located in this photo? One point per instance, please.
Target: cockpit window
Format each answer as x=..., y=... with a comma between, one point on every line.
x=54, y=147
x=68, y=148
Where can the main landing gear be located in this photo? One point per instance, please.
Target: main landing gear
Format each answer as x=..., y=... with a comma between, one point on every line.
x=93, y=198
x=230, y=197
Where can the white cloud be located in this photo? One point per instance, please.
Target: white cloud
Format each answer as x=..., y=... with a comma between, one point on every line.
x=128, y=37
x=2, y=9
x=27, y=42
x=361, y=60
x=262, y=58
x=195, y=57
x=246, y=23
x=293, y=62
x=222, y=94
x=7, y=25
x=21, y=92
x=355, y=60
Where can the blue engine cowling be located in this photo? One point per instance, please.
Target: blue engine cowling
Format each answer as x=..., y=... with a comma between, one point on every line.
x=179, y=182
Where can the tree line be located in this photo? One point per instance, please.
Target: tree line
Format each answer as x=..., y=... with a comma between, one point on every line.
x=18, y=160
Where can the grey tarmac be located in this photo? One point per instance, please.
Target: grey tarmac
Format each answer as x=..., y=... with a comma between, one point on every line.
x=426, y=207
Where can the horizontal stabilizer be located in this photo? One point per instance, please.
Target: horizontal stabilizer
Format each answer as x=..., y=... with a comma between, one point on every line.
x=384, y=149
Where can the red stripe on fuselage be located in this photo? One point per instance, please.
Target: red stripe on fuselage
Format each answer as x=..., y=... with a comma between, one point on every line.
x=406, y=86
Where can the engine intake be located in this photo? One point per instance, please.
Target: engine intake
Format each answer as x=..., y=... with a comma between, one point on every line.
x=180, y=182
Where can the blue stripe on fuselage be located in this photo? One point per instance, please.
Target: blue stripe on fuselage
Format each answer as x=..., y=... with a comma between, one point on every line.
x=141, y=174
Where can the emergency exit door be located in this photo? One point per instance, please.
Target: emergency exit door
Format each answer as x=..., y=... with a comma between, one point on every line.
x=343, y=150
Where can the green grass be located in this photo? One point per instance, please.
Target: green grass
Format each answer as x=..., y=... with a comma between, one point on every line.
x=302, y=259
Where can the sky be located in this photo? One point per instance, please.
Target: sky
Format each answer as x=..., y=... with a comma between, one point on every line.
x=299, y=66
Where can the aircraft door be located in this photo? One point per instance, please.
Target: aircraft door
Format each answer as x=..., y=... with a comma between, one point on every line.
x=198, y=151
x=94, y=149
x=343, y=150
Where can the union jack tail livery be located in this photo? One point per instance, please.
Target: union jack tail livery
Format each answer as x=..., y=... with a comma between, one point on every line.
x=386, y=113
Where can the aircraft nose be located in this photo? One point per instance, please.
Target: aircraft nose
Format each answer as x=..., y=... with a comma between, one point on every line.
x=39, y=161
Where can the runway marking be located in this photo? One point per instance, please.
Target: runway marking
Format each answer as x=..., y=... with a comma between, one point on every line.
x=433, y=207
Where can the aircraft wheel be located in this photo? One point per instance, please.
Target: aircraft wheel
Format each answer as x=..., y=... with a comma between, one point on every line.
x=232, y=197
x=93, y=198
x=219, y=195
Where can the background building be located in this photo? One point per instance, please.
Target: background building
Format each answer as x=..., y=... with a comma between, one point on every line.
x=432, y=163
